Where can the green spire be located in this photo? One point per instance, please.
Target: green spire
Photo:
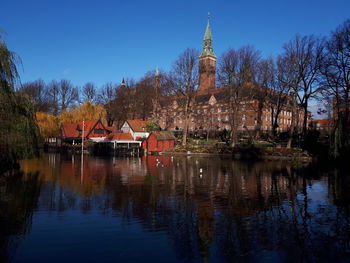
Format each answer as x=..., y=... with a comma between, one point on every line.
x=208, y=42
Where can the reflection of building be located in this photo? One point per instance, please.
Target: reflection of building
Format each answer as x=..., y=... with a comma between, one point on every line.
x=210, y=108
x=206, y=180
x=194, y=201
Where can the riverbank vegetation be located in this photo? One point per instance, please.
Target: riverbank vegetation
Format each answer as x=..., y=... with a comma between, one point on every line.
x=19, y=134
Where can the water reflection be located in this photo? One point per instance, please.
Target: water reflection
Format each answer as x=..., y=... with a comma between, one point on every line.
x=203, y=209
x=18, y=198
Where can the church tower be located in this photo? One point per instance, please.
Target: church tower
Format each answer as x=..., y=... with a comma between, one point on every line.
x=207, y=62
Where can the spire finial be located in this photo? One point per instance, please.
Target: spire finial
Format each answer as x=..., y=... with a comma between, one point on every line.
x=157, y=72
x=208, y=17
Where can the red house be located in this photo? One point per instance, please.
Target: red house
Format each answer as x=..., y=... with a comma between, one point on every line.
x=159, y=141
x=93, y=130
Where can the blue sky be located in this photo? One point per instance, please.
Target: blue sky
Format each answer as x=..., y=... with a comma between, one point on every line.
x=101, y=41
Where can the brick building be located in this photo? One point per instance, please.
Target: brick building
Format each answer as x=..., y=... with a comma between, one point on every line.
x=210, y=107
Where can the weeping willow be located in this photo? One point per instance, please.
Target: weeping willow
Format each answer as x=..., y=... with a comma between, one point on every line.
x=19, y=135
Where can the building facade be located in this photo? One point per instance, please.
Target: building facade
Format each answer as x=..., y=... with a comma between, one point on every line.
x=210, y=109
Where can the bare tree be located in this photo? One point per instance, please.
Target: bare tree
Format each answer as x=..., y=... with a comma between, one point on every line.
x=336, y=85
x=144, y=93
x=282, y=87
x=266, y=82
x=53, y=96
x=37, y=90
x=248, y=63
x=106, y=97
x=68, y=94
x=107, y=93
x=288, y=83
x=124, y=106
x=228, y=76
x=185, y=77
x=238, y=68
x=306, y=53
x=89, y=92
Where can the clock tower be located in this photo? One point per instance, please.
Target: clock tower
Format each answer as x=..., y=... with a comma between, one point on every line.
x=207, y=62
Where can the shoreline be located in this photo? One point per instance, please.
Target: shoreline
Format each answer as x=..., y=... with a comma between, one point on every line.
x=238, y=156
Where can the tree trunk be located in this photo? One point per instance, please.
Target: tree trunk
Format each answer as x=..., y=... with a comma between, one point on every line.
x=233, y=133
x=259, y=119
x=292, y=127
x=305, y=119
x=185, y=130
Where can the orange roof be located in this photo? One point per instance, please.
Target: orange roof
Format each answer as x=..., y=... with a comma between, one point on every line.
x=69, y=130
x=88, y=126
x=111, y=128
x=72, y=129
x=137, y=125
x=120, y=136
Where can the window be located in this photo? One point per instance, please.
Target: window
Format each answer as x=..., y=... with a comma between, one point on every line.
x=99, y=131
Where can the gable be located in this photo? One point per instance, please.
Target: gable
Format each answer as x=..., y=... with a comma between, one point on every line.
x=137, y=125
x=75, y=129
x=126, y=125
x=212, y=100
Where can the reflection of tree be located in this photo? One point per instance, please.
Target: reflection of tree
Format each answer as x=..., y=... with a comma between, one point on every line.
x=18, y=198
x=209, y=209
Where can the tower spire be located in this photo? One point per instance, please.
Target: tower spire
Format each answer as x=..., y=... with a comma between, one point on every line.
x=208, y=41
x=207, y=61
x=157, y=72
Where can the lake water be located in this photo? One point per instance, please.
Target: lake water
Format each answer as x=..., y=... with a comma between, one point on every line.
x=173, y=209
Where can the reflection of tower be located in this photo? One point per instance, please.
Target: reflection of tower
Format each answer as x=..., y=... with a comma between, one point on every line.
x=205, y=217
x=207, y=62
x=205, y=213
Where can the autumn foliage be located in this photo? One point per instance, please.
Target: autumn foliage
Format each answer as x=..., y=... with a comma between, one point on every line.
x=86, y=111
x=49, y=124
